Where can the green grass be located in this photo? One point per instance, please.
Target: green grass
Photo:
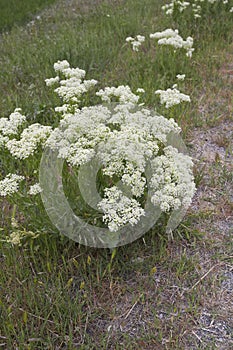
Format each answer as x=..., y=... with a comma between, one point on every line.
x=96, y=43
x=58, y=295
x=15, y=12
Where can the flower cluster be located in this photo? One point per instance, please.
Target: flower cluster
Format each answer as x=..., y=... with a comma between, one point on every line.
x=196, y=6
x=172, y=38
x=122, y=93
x=124, y=137
x=124, y=140
x=175, y=4
x=180, y=77
x=135, y=42
x=10, y=184
x=172, y=97
x=10, y=126
x=172, y=180
x=73, y=86
x=119, y=210
x=35, y=189
x=30, y=139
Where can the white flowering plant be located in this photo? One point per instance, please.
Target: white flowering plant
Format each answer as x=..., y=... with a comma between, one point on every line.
x=120, y=133
x=135, y=42
x=167, y=56
x=196, y=9
x=172, y=38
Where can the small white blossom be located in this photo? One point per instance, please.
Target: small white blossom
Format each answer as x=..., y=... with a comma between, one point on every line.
x=59, y=66
x=140, y=91
x=75, y=73
x=123, y=151
x=136, y=42
x=122, y=93
x=52, y=81
x=172, y=97
x=72, y=86
x=140, y=38
x=197, y=7
x=178, y=4
x=10, y=184
x=172, y=180
x=172, y=38
x=62, y=109
x=129, y=38
x=89, y=83
x=167, y=33
x=35, y=189
x=119, y=209
x=180, y=77
x=31, y=138
x=3, y=140
x=11, y=125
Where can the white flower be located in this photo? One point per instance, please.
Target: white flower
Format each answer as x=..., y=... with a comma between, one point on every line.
x=122, y=93
x=140, y=38
x=72, y=86
x=71, y=90
x=11, y=125
x=3, y=140
x=89, y=83
x=35, y=189
x=62, y=109
x=140, y=91
x=122, y=151
x=172, y=180
x=178, y=4
x=172, y=97
x=52, y=81
x=129, y=38
x=136, y=181
x=189, y=52
x=136, y=42
x=31, y=138
x=119, y=209
x=76, y=73
x=180, y=77
x=10, y=184
x=172, y=38
x=122, y=137
x=59, y=66
x=167, y=33
x=136, y=45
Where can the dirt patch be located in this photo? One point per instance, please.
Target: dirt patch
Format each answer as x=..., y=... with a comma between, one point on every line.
x=212, y=152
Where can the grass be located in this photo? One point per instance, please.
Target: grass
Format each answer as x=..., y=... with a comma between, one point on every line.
x=153, y=293
x=15, y=12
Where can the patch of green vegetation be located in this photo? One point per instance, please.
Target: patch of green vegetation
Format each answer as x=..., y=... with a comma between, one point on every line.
x=18, y=12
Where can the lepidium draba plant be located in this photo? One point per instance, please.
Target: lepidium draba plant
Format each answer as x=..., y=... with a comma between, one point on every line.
x=125, y=137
